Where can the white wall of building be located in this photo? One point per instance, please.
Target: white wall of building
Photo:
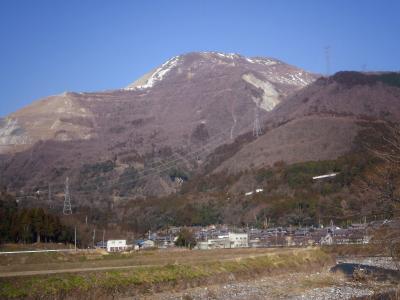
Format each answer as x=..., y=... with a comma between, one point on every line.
x=116, y=245
x=238, y=240
x=148, y=244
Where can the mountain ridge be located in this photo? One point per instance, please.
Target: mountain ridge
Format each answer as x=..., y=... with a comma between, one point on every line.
x=321, y=121
x=183, y=148
x=206, y=100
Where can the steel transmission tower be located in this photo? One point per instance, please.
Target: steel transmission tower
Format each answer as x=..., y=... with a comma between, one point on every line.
x=67, y=210
x=256, y=124
x=328, y=60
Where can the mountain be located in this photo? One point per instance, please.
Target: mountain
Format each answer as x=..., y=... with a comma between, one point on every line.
x=160, y=127
x=330, y=126
x=177, y=145
x=321, y=121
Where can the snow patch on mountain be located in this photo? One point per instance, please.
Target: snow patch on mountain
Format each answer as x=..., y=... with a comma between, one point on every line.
x=299, y=78
x=156, y=76
x=228, y=55
x=270, y=97
x=262, y=61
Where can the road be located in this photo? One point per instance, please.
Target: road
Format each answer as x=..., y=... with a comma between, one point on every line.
x=114, y=265
x=76, y=270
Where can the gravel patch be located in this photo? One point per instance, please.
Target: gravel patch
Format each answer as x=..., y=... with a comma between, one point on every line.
x=337, y=292
x=271, y=290
x=295, y=286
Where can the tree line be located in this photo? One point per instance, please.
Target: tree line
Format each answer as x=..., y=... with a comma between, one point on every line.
x=30, y=225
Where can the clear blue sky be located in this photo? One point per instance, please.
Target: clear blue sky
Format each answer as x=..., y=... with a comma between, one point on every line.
x=48, y=47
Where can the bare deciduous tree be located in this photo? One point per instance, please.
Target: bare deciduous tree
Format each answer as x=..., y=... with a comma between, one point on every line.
x=382, y=183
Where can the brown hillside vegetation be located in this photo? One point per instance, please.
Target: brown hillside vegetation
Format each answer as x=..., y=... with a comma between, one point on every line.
x=205, y=100
x=321, y=121
x=321, y=128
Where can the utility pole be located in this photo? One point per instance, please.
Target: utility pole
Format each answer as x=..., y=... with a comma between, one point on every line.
x=67, y=210
x=94, y=236
x=75, y=238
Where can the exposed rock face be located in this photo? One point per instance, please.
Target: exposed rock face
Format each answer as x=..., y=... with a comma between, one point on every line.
x=176, y=114
x=11, y=133
x=269, y=97
x=61, y=118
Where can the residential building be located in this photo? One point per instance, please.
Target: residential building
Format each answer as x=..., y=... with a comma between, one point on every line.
x=238, y=240
x=116, y=245
x=146, y=244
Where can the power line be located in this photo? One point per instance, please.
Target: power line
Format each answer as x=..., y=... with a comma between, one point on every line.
x=156, y=170
x=209, y=142
x=213, y=140
x=192, y=154
x=170, y=164
x=362, y=215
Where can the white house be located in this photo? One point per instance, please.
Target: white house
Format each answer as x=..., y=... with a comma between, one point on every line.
x=219, y=243
x=116, y=245
x=147, y=244
x=238, y=240
x=232, y=240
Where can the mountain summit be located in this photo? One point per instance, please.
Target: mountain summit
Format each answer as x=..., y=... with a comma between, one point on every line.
x=180, y=90
x=170, y=119
x=276, y=71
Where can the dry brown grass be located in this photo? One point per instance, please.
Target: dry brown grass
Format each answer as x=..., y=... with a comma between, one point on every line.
x=83, y=259
x=194, y=271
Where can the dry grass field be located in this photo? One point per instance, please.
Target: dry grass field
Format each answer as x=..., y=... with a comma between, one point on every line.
x=101, y=259
x=102, y=276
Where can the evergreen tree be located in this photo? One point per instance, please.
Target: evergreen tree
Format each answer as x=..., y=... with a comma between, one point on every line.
x=29, y=225
x=185, y=239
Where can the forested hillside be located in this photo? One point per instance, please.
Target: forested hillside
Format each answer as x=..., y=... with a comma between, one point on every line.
x=30, y=225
